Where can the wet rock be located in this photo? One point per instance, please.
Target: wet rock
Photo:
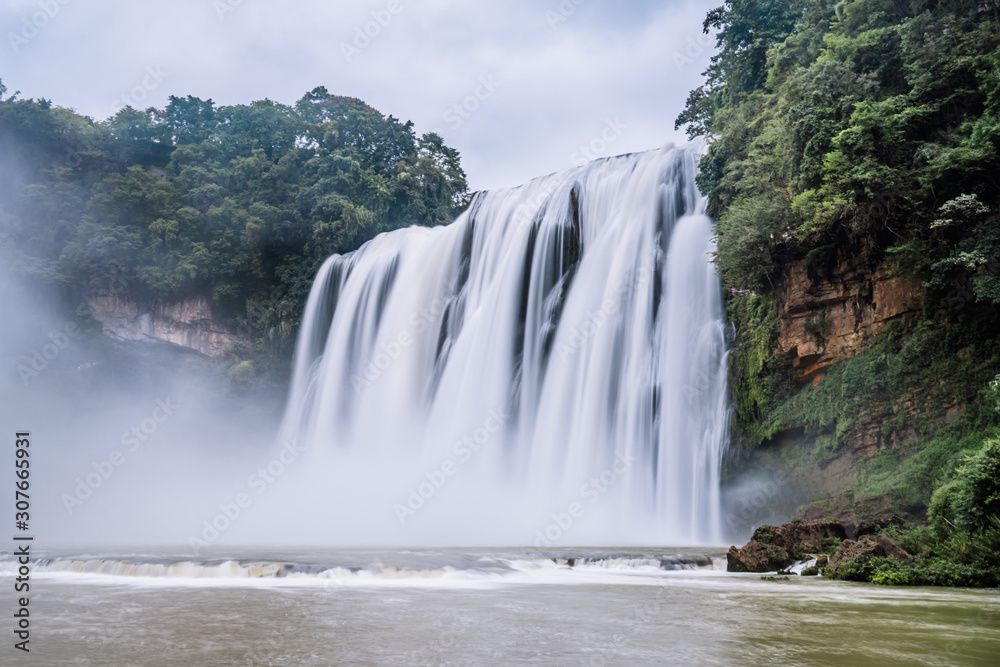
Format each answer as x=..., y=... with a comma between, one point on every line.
x=867, y=547
x=800, y=537
x=757, y=557
x=822, y=560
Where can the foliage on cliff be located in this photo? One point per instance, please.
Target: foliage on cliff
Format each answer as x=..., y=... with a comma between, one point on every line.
x=871, y=124
x=961, y=546
x=864, y=129
x=239, y=202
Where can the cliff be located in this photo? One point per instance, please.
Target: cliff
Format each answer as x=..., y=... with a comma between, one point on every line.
x=188, y=323
x=822, y=321
x=810, y=469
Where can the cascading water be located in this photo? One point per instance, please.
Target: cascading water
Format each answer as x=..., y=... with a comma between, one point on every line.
x=548, y=369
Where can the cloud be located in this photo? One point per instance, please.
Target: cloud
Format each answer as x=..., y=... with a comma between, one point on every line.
x=564, y=68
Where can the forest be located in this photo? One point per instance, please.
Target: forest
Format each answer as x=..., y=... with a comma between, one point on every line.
x=869, y=132
x=241, y=203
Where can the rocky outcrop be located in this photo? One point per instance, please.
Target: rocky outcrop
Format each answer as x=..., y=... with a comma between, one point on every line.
x=757, y=557
x=800, y=537
x=188, y=323
x=823, y=320
x=828, y=312
x=866, y=548
x=775, y=547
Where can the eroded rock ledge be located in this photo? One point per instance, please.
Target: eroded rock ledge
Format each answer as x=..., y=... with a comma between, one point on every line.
x=823, y=320
x=776, y=547
x=188, y=323
x=773, y=548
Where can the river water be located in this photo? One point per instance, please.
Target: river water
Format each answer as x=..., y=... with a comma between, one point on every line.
x=483, y=607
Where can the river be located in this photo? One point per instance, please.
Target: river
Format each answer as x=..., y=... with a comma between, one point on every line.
x=485, y=607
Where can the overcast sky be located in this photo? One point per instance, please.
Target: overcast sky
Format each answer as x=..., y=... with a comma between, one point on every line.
x=534, y=82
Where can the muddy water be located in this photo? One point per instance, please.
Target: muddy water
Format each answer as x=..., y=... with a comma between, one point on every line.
x=489, y=608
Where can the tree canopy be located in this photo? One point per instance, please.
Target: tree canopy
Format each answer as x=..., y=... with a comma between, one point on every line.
x=241, y=203
x=871, y=125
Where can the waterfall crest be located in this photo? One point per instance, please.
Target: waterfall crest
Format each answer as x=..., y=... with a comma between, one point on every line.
x=550, y=368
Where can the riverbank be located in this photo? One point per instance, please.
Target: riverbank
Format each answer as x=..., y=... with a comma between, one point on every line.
x=894, y=554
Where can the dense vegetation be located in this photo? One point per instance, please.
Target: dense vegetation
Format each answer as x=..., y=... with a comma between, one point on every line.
x=870, y=130
x=240, y=203
x=961, y=544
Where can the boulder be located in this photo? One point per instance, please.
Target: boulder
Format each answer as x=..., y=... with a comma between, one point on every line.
x=757, y=557
x=863, y=549
x=800, y=537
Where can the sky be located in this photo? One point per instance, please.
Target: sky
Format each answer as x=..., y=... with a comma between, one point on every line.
x=520, y=88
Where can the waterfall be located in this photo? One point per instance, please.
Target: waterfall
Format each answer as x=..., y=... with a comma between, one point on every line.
x=550, y=368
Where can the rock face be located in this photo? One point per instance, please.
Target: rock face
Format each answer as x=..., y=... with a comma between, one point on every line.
x=188, y=323
x=776, y=547
x=824, y=320
x=800, y=537
x=865, y=548
x=757, y=557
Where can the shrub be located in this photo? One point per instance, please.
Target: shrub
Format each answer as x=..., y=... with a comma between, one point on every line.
x=830, y=545
x=763, y=534
x=893, y=573
x=973, y=495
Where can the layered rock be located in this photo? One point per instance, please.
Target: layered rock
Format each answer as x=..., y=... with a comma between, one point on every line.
x=800, y=537
x=776, y=547
x=824, y=320
x=188, y=323
x=757, y=557
x=825, y=317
